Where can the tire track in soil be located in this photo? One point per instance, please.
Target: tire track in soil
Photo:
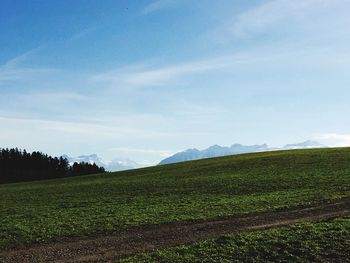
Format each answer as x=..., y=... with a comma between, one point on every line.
x=147, y=238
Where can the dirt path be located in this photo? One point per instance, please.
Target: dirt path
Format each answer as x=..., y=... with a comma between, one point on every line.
x=147, y=238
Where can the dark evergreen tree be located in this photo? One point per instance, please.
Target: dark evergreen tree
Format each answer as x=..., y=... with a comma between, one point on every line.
x=19, y=166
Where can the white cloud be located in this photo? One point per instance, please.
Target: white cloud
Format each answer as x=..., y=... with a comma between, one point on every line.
x=50, y=98
x=21, y=74
x=335, y=139
x=13, y=63
x=128, y=126
x=33, y=125
x=158, y=5
x=267, y=14
x=283, y=55
x=161, y=153
x=159, y=75
x=310, y=16
x=327, y=16
x=124, y=136
x=80, y=34
x=12, y=69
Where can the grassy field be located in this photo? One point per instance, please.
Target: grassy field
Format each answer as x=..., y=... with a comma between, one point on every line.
x=51, y=210
x=318, y=242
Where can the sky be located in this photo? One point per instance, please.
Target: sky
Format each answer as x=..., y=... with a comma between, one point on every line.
x=145, y=79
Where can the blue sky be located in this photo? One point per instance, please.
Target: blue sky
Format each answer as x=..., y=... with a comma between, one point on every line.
x=145, y=79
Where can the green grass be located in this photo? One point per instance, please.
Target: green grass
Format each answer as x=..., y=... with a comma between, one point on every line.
x=319, y=242
x=50, y=210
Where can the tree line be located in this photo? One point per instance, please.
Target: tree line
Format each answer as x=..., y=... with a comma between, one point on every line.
x=19, y=166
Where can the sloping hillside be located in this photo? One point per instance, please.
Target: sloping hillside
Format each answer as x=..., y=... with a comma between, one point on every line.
x=235, y=185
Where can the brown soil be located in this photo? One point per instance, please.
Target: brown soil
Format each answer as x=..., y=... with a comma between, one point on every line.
x=146, y=238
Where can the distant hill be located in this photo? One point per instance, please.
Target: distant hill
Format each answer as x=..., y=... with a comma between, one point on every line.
x=217, y=151
x=111, y=166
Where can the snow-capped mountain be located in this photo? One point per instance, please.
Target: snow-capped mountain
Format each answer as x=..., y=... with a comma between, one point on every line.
x=111, y=166
x=217, y=151
x=120, y=165
x=213, y=151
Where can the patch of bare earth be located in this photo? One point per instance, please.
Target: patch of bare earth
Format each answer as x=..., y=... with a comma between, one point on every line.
x=146, y=238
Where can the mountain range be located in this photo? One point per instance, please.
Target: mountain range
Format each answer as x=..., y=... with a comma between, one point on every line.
x=216, y=151
x=188, y=155
x=110, y=166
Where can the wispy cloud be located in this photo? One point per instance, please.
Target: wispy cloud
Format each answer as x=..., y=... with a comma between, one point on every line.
x=335, y=139
x=9, y=69
x=162, y=153
x=153, y=155
x=108, y=128
x=15, y=62
x=14, y=70
x=82, y=34
x=155, y=76
x=112, y=136
x=53, y=97
x=310, y=18
x=158, y=5
x=57, y=102
x=272, y=12
x=283, y=55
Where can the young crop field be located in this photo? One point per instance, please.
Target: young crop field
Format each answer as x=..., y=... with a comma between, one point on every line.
x=44, y=211
x=312, y=242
